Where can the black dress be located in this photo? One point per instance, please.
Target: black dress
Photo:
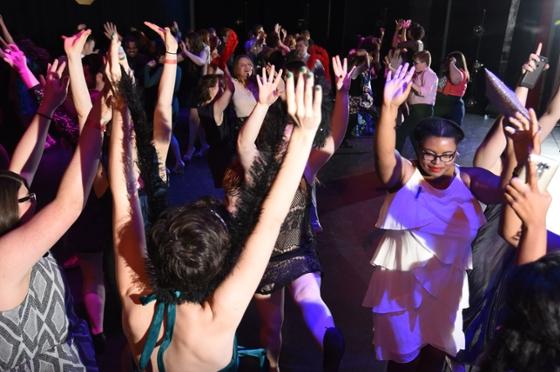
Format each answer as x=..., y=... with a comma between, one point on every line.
x=493, y=260
x=220, y=138
x=294, y=253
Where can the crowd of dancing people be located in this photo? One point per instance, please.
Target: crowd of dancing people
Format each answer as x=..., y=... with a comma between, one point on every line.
x=465, y=273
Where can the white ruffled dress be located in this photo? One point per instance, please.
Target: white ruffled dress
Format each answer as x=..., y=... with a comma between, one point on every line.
x=419, y=285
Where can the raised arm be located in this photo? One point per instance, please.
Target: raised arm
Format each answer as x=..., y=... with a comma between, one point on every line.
x=5, y=32
x=390, y=166
x=129, y=240
x=268, y=94
x=163, y=114
x=523, y=139
x=231, y=298
x=128, y=226
x=224, y=99
x=14, y=57
x=455, y=74
x=73, y=46
x=199, y=60
x=29, y=150
x=339, y=119
x=530, y=205
x=398, y=36
x=39, y=234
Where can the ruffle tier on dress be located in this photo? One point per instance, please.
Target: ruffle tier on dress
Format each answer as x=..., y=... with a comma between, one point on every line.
x=418, y=288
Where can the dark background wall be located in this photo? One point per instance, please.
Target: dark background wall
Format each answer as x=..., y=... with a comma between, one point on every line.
x=511, y=27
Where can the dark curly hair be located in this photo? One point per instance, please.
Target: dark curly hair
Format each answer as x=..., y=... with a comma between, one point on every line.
x=192, y=249
x=437, y=127
x=187, y=251
x=529, y=339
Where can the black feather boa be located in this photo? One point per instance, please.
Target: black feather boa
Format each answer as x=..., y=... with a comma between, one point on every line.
x=249, y=203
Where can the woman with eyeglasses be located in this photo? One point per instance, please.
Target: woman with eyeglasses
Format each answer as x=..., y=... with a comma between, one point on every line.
x=430, y=216
x=38, y=327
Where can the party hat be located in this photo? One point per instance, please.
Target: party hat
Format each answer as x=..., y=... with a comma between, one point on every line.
x=503, y=98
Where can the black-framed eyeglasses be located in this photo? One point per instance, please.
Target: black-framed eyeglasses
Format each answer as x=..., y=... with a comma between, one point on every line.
x=31, y=196
x=446, y=157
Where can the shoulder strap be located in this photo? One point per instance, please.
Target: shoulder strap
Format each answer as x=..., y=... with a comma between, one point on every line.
x=162, y=308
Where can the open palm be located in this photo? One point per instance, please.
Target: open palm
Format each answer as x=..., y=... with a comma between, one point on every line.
x=397, y=85
x=268, y=86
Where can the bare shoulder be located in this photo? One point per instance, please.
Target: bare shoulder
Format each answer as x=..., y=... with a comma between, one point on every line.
x=467, y=173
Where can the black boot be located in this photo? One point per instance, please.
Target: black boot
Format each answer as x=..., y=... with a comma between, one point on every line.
x=333, y=349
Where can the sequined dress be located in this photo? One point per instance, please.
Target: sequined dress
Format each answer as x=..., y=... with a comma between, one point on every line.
x=294, y=253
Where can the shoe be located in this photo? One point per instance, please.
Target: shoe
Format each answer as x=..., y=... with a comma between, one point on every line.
x=99, y=342
x=333, y=349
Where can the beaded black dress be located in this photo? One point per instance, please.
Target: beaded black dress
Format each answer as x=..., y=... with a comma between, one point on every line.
x=294, y=253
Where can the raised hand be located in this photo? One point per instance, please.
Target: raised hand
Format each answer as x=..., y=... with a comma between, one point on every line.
x=74, y=45
x=304, y=101
x=113, y=67
x=167, y=37
x=531, y=64
x=343, y=77
x=524, y=135
x=268, y=86
x=398, y=85
x=55, y=85
x=14, y=57
x=110, y=30
x=529, y=203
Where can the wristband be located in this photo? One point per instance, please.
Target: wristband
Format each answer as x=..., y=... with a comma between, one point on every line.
x=170, y=61
x=171, y=53
x=44, y=116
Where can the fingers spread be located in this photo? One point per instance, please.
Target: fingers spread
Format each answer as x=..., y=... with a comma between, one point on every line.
x=278, y=78
x=61, y=68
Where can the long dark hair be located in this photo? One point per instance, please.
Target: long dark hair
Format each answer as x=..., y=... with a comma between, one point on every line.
x=203, y=88
x=529, y=339
x=10, y=183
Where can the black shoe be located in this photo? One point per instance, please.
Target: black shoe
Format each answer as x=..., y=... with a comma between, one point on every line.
x=333, y=349
x=99, y=342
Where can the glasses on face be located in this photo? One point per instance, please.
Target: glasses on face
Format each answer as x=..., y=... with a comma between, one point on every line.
x=446, y=157
x=31, y=196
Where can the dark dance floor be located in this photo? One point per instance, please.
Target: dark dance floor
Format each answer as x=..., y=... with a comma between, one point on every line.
x=349, y=200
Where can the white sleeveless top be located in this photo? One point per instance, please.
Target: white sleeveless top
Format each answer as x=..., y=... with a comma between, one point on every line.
x=243, y=100
x=428, y=233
